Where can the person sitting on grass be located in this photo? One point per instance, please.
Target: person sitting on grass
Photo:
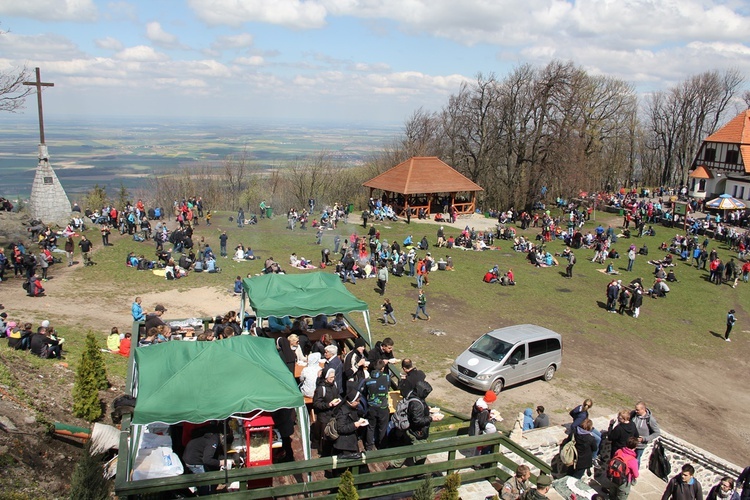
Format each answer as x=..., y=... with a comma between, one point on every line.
x=113, y=340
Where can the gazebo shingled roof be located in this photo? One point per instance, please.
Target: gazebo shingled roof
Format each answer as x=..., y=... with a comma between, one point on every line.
x=422, y=175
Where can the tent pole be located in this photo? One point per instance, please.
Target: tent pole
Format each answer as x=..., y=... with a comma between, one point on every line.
x=242, y=307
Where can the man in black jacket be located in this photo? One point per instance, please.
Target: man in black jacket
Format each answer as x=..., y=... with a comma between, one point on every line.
x=420, y=419
x=44, y=346
x=375, y=391
x=410, y=377
x=202, y=454
x=382, y=350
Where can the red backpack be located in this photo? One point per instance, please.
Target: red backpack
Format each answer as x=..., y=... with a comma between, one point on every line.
x=617, y=470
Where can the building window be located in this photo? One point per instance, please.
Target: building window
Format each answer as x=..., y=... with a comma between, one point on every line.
x=732, y=156
x=742, y=192
x=702, y=186
x=709, y=154
x=48, y=180
x=734, y=191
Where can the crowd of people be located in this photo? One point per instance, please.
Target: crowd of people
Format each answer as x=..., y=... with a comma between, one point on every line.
x=42, y=341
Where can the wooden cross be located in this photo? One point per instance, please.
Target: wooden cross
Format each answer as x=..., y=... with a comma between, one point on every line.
x=39, y=84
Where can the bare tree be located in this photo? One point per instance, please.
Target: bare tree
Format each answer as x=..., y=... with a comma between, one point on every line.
x=12, y=90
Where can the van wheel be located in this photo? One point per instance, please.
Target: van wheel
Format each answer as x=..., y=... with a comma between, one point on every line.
x=497, y=386
x=549, y=373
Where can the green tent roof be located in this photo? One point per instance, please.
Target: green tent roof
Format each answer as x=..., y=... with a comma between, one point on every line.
x=183, y=381
x=300, y=295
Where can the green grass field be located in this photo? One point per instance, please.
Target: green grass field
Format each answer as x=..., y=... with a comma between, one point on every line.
x=459, y=302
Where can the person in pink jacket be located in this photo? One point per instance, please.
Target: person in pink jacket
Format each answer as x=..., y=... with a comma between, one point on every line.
x=627, y=455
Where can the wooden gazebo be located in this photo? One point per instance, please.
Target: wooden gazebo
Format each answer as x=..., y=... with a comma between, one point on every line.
x=425, y=182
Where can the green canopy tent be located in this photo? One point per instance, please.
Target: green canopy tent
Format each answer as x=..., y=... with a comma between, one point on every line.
x=201, y=381
x=301, y=295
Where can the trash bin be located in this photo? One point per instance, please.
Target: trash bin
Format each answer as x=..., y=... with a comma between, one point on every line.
x=269, y=212
x=622, y=212
x=350, y=208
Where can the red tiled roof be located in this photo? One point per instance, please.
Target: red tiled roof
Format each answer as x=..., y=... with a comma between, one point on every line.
x=422, y=174
x=745, y=152
x=737, y=131
x=701, y=172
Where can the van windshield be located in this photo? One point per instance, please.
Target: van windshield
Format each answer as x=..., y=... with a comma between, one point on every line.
x=490, y=348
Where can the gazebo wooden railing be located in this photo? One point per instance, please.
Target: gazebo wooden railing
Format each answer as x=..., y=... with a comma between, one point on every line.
x=444, y=459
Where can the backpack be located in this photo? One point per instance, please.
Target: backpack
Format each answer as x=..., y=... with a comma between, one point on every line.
x=658, y=463
x=25, y=285
x=568, y=452
x=400, y=417
x=617, y=470
x=330, y=430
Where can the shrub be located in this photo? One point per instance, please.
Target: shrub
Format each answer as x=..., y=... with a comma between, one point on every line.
x=90, y=378
x=347, y=491
x=88, y=481
x=425, y=491
x=452, y=483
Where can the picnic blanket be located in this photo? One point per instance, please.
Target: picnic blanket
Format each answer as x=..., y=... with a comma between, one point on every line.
x=604, y=271
x=299, y=265
x=160, y=272
x=659, y=263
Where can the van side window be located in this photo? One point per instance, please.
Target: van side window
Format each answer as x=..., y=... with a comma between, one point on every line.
x=543, y=346
x=519, y=353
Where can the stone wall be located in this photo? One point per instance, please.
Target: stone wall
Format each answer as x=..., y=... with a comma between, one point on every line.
x=709, y=469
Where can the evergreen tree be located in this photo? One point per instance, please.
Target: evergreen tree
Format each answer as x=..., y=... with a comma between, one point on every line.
x=425, y=491
x=91, y=376
x=98, y=364
x=347, y=491
x=452, y=483
x=88, y=482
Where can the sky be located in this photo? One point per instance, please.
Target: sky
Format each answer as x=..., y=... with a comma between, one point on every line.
x=345, y=61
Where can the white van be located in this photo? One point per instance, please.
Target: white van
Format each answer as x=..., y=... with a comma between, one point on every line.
x=509, y=356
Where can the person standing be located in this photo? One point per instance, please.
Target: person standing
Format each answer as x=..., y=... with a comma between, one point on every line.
x=410, y=377
x=223, y=244
x=648, y=427
x=325, y=400
x=743, y=482
x=333, y=362
x=375, y=391
x=724, y=490
x=105, y=234
x=571, y=263
x=620, y=430
x=387, y=308
x=86, y=247
x=383, y=281
x=626, y=454
x=421, y=306
x=420, y=418
x=683, y=486
x=631, y=257
x=636, y=302
x=240, y=217
x=731, y=320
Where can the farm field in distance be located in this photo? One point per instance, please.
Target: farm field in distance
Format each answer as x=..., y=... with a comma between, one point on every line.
x=125, y=152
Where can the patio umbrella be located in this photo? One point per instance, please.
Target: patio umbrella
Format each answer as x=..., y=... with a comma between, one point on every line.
x=725, y=202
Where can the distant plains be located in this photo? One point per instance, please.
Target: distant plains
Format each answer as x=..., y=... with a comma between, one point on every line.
x=115, y=152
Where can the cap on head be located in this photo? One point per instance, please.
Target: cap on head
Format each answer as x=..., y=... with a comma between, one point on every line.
x=543, y=481
x=45, y=324
x=360, y=342
x=481, y=404
x=160, y=308
x=490, y=397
